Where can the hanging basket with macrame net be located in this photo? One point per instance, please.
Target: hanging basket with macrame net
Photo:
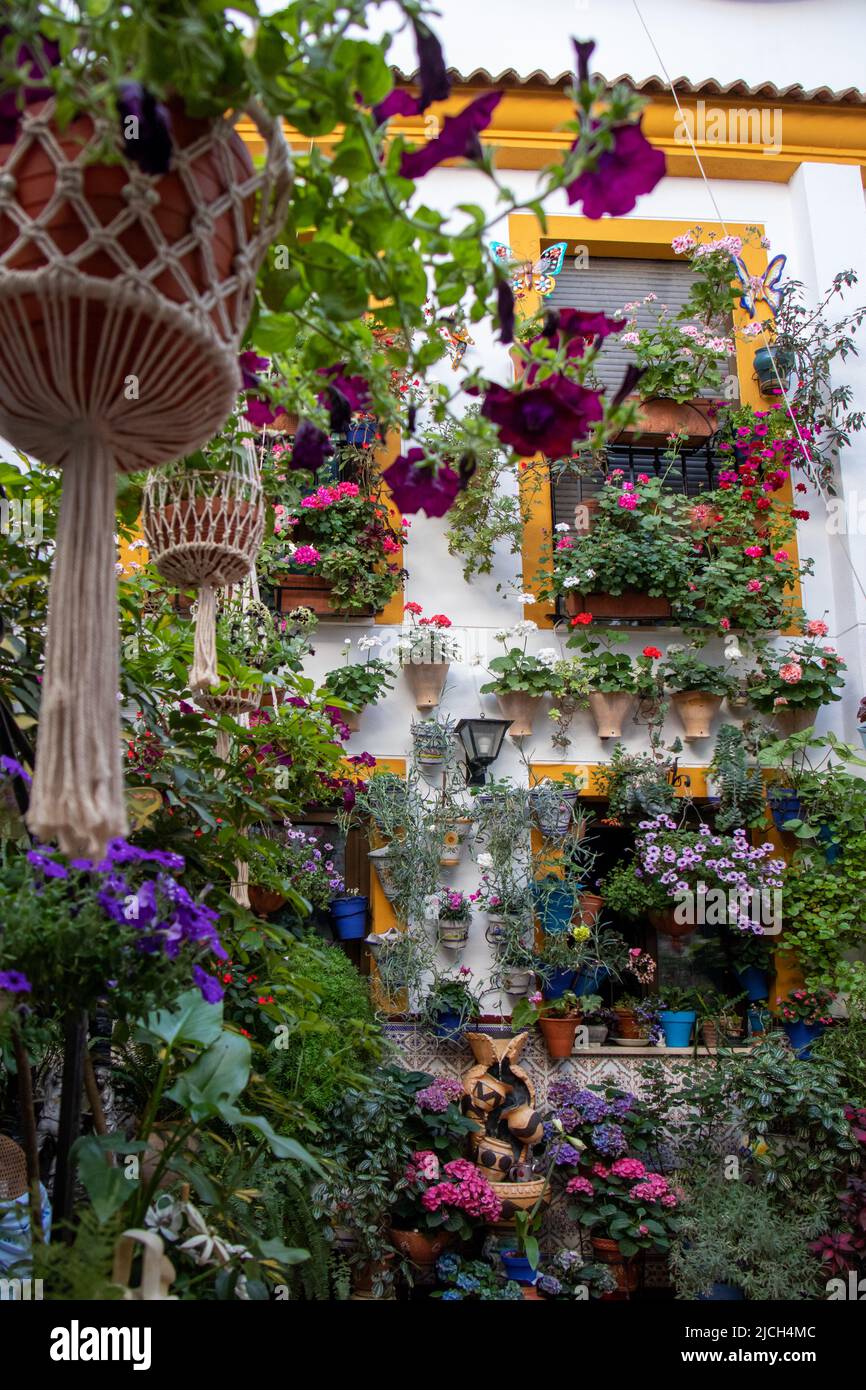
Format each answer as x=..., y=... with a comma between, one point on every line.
x=203, y=530
x=123, y=298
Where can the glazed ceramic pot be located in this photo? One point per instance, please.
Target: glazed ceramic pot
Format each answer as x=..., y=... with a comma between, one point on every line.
x=426, y=681
x=610, y=709
x=518, y=1267
x=677, y=1025
x=495, y=1157
x=517, y=982
x=697, y=709
x=380, y=859
x=520, y=709
x=454, y=935
x=349, y=917
x=524, y=1124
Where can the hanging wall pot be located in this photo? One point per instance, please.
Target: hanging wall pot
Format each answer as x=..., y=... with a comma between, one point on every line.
x=123, y=298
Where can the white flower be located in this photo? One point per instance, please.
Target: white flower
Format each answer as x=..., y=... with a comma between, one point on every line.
x=524, y=598
x=523, y=628
x=675, y=647
x=485, y=861
x=368, y=643
x=502, y=635
x=732, y=650
x=347, y=641
x=589, y=574
x=548, y=656
x=562, y=526
x=570, y=582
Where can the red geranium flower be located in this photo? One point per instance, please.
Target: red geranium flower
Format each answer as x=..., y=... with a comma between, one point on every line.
x=582, y=620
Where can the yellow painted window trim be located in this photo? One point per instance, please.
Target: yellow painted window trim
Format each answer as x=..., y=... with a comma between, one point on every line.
x=618, y=236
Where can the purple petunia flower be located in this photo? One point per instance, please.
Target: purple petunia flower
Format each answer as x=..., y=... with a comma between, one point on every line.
x=13, y=768
x=39, y=64
x=48, y=866
x=432, y=73
x=211, y=989
x=583, y=50
x=311, y=447
x=416, y=488
x=458, y=139
x=505, y=310
x=397, y=103
x=548, y=419
x=145, y=128
x=621, y=175
x=13, y=982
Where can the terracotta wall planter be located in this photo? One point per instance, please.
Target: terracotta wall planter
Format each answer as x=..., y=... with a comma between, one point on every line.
x=697, y=709
x=263, y=901
x=559, y=1035
x=610, y=709
x=663, y=417
x=426, y=681
x=792, y=720
x=631, y=603
x=589, y=906
x=666, y=925
x=313, y=592
x=520, y=709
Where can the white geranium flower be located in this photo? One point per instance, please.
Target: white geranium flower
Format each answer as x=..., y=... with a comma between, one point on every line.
x=524, y=598
x=522, y=629
x=570, y=582
x=548, y=656
x=562, y=527
x=485, y=861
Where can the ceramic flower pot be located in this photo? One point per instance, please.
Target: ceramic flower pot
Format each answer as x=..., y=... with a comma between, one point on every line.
x=861, y=729
x=792, y=719
x=610, y=709
x=304, y=591
x=665, y=922
x=349, y=917
x=449, y=1026
x=589, y=906
x=596, y=1034
x=801, y=1036
x=452, y=849
x=755, y=982
x=731, y=1028
x=559, y=1035
x=557, y=821
x=426, y=681
x=770, y=364
x=627, y=1025
x=677, y=1025
x=420, y=1248
x=697, y=709
x=520, y=709
x=558, y=982
x=384, y=873
x=495, y=1157
x=517, y=982
x=454, y=935
x=625, y=1269
x=518, y=1267
x=785, y=805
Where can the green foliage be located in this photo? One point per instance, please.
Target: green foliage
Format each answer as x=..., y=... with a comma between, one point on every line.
x=683, y=670
x=741, y=789
x=630, y=897
x=637, y=785
x=360, y=683
x=823, y=911
x=79, y=1270
x=334, y=1042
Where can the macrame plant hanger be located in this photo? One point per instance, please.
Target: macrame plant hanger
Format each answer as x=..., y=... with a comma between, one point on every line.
x=123, y=299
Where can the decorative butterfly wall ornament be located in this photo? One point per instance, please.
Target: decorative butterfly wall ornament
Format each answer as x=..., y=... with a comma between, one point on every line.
x=766, y=287
x=458, y=340
x=528, y=277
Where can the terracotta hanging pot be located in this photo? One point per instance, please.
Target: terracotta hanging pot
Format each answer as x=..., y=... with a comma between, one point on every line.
x=610, y=709
x=559, y=1034
x=697, y=709
x=625, y=1269
x=666, y=925
x=793, y=719
x=426, y=681
x=264, y=902
x=520, y=709
x=631, y=603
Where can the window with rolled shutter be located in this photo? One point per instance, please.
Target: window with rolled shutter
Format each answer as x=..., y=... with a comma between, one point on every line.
x=608, y=283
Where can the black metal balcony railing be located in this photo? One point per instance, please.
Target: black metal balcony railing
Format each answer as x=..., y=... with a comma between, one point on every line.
x=695, y=470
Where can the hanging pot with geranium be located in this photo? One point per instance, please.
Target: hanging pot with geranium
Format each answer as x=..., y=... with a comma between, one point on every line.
x=610, y=676
x=426, y=649
x=793, y=682
x=520, y=680
x=697, y=689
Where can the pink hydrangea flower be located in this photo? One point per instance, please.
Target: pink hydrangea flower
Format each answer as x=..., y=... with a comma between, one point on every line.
x=628, y=1168
x=580, y=1187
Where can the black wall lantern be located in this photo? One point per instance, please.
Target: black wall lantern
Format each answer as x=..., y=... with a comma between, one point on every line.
x=482, y=740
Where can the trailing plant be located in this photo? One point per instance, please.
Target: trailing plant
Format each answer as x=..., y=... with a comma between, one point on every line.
x=741, y=798
x=637, y=785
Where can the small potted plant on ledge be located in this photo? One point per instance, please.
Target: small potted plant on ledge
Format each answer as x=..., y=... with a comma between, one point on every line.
x=805, y=1013
x=359, y=683
x=610, y=676
x=553, y=801
x=557, y=1018
x=453, y=910
x=636, y=1021
x=697, y=689
x=677, y=1015
x=718, y=1018
x=426, y=649
x=450, y=1003
x=792, y=683
x=520, y=681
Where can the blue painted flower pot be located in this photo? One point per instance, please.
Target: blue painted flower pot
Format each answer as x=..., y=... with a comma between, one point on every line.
x=559, y=982
x=555, y=908
x=756, y=1020
x=755, y=982
x=769, y=374
x=832, y=848
x=785, y=805
x=721, y=1293
x=349, y=918
x=448, y=1025
x=362, y=433
x=678, y=1026
x=518, y=1268
x=802, y=1035
x=590, y=981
